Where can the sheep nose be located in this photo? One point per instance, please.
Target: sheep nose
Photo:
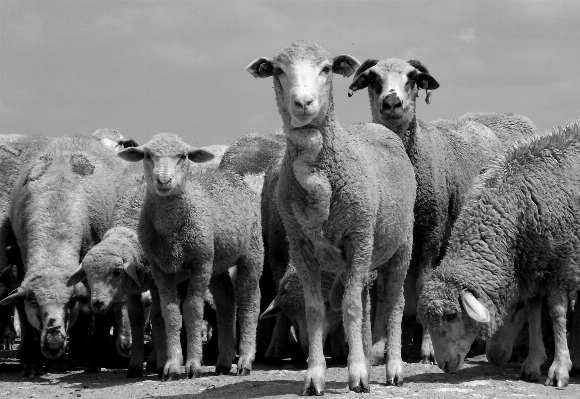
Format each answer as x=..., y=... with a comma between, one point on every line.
x=303, y=103
x=53, y=330
x=391, y=102
x=97, y=305
x=163, y=180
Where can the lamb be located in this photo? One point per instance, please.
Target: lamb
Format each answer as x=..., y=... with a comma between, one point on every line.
x=516, y=236
x=196, y=227
x=342, y=212
x=446, y=156
x=61, y=204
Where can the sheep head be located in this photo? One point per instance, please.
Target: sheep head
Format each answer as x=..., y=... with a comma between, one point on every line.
x=113, y=140
x=50, y=308
x=393, y=86
x=453, y=316
x=109, y=268
x=165, y=162
x=303, y=81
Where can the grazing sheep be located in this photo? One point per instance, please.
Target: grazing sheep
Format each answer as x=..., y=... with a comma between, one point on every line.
x=446, y=156
x=346, y=196
x=61, y=205
x=195, y=226
x=517, y=236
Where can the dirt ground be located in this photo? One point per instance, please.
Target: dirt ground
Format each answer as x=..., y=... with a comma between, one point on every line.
x=478, y=379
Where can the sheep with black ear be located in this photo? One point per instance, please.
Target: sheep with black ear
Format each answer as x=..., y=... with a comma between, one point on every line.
x=446, y=156
x=346, y=196
x=61, y=205
x=195, y=226
x=517, y=236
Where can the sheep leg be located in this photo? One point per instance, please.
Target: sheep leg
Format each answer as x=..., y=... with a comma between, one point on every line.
x=427, y=353
x=575, y=341
x=137, y=321
x=279, y=340
x=30, y=355
x=222, y=290
x=394, y=304
x=377, y=355
x=558, y=372
x=167, y=287
x=248, y=297
x=193, y=306
x=124, y=340
x=537, y=353
x=309, y=273
x=352, y=314
x=158, y=332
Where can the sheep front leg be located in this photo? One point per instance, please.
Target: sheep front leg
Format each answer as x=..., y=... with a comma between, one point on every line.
x=193, y=305
x=169, y=302
x=137, y=321
x=558, y=372
x=222, y=290
x=158, y=333
x=394, y=303
x=575, y=341
x=248, y=298
x=537, y=353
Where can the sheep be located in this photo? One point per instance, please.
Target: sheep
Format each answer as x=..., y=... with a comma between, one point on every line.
x=61, y=204
x=113, y=140
x=446, y=156
x=516, y=237
x=346, y=196
x=195, y=227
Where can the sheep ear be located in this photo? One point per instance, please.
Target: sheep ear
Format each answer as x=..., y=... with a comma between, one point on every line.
x=261, y=67
x=361, y=77
x=15, y=296
x=426, y=81
x=475, y=309
x=132, y=154
x=273, y=310
x=128, y=143
x=198, y=155
x=345, y=65
x=132, y=272
x=77, y=276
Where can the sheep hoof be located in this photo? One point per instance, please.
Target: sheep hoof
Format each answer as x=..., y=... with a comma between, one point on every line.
x=194, y=374
x=428, y=360
x=170, y=377
x=395, y=382
x=151, y=366
x=360, y=389
x=244, y=371
x=222, y=370
x=311, y=391
x=91, y=368
x=529, y=377
x=557, y=382
x=135, y=372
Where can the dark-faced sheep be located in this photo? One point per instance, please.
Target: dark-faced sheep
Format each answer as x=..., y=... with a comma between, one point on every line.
x=61, y=205
x=192, y=227
x=346, y=196
x=516, y=237
x=446, y=156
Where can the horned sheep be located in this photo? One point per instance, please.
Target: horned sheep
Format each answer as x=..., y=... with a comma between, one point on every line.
x=341, y=211
x=446, y=156
x=195, y=227
x=516, y=237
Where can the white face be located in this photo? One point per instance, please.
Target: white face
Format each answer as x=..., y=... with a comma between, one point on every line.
x=165, y=174
x=306, y=89
x=392, y=94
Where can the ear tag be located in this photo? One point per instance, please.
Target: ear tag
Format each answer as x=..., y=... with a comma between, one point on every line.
x=428, y=96
x=350, y=92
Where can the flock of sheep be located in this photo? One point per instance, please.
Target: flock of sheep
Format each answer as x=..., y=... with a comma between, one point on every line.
x=464, y=225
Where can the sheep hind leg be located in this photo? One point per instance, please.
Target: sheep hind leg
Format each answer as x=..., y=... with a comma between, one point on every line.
x=575, y=341
x=394, y=304
x=158, y=335
x=222, y=290
x=536, y=354
x=558, y=372
x=377, y=353
x=248, y=298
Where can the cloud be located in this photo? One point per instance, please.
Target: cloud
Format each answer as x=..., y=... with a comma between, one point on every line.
x=467, y=35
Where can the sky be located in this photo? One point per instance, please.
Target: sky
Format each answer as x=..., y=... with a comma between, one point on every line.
x=144, y=67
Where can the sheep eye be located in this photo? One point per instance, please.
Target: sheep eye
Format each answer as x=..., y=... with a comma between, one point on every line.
x=183, y=157
x=326, y=69
x=278, y=71
x=117, y=271
x=147, y=155
x=451, y=317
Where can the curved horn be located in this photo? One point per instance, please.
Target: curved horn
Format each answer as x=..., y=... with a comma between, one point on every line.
x=475, y=309
x=15, y=296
